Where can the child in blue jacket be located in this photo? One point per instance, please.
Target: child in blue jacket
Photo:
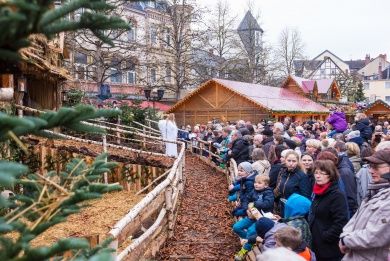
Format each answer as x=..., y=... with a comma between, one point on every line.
x=263, y=199
x=244, y=186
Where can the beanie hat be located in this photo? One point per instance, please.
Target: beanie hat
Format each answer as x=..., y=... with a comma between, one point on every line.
x=268, y=132
x=353, y=134
x=246, y=166
x=263, y=225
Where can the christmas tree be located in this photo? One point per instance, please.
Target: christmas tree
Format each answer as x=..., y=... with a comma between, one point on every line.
x=359, y=94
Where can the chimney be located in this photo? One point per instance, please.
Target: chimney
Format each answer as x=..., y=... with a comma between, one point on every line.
x=367, y=60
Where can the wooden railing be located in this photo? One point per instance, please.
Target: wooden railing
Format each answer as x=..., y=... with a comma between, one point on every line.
x=163, y=200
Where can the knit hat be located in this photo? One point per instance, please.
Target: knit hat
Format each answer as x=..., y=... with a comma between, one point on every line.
x=268, y=132
x=353, y=134
x=263, y=225
x=246, y=166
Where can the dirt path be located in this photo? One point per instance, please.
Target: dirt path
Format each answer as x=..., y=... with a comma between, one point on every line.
x=203, y=229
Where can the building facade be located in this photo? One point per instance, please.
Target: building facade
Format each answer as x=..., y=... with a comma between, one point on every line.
x=142, y=56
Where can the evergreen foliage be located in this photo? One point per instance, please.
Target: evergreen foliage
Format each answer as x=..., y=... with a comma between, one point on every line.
x=359, y=94
x=23, y=18
x=48, y=199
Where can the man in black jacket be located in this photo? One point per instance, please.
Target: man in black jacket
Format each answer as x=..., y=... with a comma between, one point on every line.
x=240, y=148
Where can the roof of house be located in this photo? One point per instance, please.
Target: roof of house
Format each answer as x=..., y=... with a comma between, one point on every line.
x=271, y=98
x=308, y=86
x=315, y=58
x=324, y=85
x=356, y=64
x=377, y=102
x=308, y=64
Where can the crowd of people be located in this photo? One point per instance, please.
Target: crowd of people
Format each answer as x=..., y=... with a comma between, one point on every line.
x=317, y=188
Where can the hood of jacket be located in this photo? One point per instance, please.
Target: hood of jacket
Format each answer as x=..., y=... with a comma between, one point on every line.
x=296, y=205
x=358, y=140
x=344, y=162
x=364, y=122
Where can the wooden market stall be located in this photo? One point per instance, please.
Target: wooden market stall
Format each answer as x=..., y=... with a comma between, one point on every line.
x=35, y=81
x=226, y=100
x=378, y=110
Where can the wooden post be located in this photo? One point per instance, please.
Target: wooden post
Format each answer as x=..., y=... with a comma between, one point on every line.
x=42, y=154
x=143, y=139
x=118, y=135
x=104, y=151
x=168, y=207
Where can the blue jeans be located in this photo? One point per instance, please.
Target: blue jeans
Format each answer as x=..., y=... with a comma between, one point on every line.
x=233, y=197
x=245, y=228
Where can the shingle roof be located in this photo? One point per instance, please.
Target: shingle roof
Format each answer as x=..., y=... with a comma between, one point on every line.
x=271, y=98
x=308, y=64
x=249, y=23
x=356, y=64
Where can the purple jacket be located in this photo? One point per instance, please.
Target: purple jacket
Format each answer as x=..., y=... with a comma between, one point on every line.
x=338, y=121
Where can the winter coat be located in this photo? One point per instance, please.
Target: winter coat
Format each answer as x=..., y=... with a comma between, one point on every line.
x=367, y=234
x=263, y=199
x=240, y=150
x=338, y=121
x=328, y=214
x=246, y=188
x=274, y=173
x=295, y=211
x=294, y=181
x=363, y=126
x=356, y=162
x=183, y=135
x=363, y=178
x=348, y=177
x=262, y=167
x=267, y=147
x=358, y=140
x=269, y=239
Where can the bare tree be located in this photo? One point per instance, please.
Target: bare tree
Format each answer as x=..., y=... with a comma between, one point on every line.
x=290, y=48
x=94, y=60
x=182, y=14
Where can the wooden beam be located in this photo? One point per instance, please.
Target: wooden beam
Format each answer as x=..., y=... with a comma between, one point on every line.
x=225, y=101
x=207, y=101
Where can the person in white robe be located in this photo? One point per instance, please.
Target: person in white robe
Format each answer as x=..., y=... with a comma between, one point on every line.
x=169, y=131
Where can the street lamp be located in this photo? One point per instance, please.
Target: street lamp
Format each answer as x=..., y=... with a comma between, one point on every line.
x=150, y=95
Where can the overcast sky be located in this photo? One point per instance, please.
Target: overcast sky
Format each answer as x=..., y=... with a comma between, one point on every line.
x=348, y=28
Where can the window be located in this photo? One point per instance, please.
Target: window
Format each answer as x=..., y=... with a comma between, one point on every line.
x=387, y=99
x=387, y=85
x=115, y=76
x=153, y=75
x=131, y=77
x=322, y=71
x=153, y=35
x=167, y=37
x=333, y=71
x=80, y=58
x=168, y=73
x=132, y=35
x=258, y=38
x=366, y=85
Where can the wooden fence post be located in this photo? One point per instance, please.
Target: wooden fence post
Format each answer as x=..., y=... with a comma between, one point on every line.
x=169, y=208
x=105, y=175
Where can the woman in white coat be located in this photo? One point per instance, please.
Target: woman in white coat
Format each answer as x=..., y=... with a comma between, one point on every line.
x=168, y=131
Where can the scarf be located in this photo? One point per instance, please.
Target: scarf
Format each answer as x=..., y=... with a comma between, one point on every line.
x=321, y=189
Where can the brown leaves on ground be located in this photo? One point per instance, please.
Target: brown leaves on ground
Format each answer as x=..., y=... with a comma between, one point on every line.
x=203, y=229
